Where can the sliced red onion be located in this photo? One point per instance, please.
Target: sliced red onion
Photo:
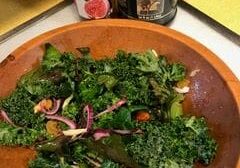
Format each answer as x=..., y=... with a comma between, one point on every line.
x=6, y=118
x=117, y=105
x=89, y=110
x=70, y=123
x=113, y=107
x=101, y=133
x=54, y=110
x=127, y=132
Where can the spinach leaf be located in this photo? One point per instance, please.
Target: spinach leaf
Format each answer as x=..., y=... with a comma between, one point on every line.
x=122, y=119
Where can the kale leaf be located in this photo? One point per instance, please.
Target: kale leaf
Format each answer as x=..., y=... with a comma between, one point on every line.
x=51, y=58
x=46, y=160
x=145, y=80
x=180, y=142
x=147, y=62
x=107, y=80
x=71, y=111
x=11, y=135
x=109, y=164
x=19, y=106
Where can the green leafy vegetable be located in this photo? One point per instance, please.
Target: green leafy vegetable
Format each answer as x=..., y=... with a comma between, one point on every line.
x=71, y=110
x=145, y=80
x=107, y=80
x=123, y=118
x=104, y=100
x=89, y=89
x=148, y=61
x=160, y=91
x=110, y=164
x=51, y=58
x=176, y=109
x=48, y=161
x=178, y=143
x=11, y=135
x=19, y=106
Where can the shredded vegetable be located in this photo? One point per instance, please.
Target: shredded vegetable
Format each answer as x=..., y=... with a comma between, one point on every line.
x=70, y=123
x=5, y=117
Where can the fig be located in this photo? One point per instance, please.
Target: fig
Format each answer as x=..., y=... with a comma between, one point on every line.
x=97, y=9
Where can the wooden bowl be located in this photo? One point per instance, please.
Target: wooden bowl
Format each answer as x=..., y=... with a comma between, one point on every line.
x=215, y=91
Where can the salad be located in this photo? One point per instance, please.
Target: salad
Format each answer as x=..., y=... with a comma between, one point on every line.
x=125, y=112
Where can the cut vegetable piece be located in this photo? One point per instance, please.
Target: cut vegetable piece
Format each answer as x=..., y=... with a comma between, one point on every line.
x=67, y=121
x=142, y=116
x=127, y=132
x=5, y=117
x=67, y=101
x=55, y=108
x=113, y=107
x=182, y=90
x=101, y=133
x=89, y=110
x=74, y=132
x=194, y=72
x=48, y=106
x=183, y=83
x=53, y=128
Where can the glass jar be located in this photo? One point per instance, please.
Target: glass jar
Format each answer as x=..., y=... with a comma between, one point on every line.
x=157, y=11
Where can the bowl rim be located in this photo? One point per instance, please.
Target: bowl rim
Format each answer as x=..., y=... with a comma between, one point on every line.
x=225, y=73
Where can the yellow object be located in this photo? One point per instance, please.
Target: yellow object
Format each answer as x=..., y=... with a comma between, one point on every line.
x=53, y=128
x=14, y=13
x=183, y=83
x=226, y=12
x=43, y=104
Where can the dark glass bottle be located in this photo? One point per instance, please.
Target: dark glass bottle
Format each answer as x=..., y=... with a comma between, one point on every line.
x=157, y=11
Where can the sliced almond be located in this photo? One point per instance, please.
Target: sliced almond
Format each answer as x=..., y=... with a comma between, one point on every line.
x=182, y=90
x=74, y=132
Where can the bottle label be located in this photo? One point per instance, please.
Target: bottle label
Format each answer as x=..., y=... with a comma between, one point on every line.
x=150, y=9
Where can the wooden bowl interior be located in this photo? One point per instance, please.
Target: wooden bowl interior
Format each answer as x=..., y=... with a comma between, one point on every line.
x=210, y=95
